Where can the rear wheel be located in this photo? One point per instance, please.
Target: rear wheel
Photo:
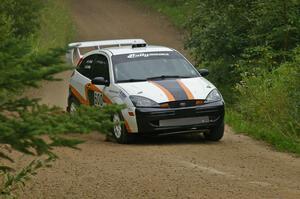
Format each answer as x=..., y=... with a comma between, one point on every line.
x=73, y=105
x=216, y=133
x=119, y=131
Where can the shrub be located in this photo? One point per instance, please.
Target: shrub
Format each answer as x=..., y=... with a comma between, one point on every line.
x=232, y=37
x=251, y=49
x=272, y=98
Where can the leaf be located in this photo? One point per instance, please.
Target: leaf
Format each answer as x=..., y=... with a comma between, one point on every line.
x=72, y=143
x=4, y=156
x=6, y=169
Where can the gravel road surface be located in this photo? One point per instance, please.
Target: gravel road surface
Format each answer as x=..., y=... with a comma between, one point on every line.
x=168, y=167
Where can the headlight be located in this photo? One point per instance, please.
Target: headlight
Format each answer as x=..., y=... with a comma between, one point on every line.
x=213, y=96
x=140, y=101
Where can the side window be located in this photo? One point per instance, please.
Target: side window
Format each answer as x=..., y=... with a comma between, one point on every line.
x=100, y=67
x=85, y=68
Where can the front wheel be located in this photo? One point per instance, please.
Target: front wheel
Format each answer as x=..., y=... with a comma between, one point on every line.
x=119, y=131
x=216, y=133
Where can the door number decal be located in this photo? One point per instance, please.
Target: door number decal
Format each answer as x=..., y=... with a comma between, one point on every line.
x=98, y=99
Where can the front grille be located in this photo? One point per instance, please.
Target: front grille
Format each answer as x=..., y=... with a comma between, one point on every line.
x=168, y=119
x=181, y=104
x=178, y=104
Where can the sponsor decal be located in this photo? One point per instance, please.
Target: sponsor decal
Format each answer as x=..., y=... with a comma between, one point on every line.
x=137, y=55
x=89, y=61
x=112, y=91
x=122, y=95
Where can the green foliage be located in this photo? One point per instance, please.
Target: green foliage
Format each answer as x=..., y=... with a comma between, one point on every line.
x=24, y=16
x=23, y=122
x=262, y=132
x=231, y=37
x=251, y=48
x=272, y=98
x=23, y=125
x=176, y=10
x=19, y=65
x=25, y=59
x=56, y=27
x=14, y=182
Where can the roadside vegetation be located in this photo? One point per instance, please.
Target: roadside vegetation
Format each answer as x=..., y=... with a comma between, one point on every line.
x=32, y=34
x=252, y=49
x=56, y=26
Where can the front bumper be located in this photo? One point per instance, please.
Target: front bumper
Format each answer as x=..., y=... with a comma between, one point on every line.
x=149, y=119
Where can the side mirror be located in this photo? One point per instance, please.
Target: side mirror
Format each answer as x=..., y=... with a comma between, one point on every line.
x=203, y=72
x=100, y=81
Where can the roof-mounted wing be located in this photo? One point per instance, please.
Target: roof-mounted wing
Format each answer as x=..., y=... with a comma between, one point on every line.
x=106, y=43
x=74, y=54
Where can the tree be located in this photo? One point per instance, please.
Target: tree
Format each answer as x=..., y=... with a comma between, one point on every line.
x=25, y=122
x=252, y=50
x=233, y=37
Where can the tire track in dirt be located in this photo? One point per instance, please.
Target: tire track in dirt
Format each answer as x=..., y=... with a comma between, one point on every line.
x=169, y=167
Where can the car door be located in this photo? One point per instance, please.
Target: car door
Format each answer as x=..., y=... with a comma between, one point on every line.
x=81, y=78
x=97, y=93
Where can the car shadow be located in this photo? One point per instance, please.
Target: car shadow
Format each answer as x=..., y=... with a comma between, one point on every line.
x=177, y=139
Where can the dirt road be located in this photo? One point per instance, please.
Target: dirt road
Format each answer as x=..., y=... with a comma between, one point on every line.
x=170, y=167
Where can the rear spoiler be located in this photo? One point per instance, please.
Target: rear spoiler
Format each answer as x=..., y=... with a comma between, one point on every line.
x=74, y=54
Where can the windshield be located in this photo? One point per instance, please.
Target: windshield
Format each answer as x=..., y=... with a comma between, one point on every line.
x=154, y=65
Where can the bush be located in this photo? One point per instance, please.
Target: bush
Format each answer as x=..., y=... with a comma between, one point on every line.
x=23, y=14
x=251, y=49
x=272, y=98
x=56, y=27
x=234, y=37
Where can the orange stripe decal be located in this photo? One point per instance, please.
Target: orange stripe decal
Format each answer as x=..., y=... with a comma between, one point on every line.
x=186, y=90
x=167, y=93
x=78, y=96
x=106, y=99
x=127, y=127
x=88, y=87
x=93, y=87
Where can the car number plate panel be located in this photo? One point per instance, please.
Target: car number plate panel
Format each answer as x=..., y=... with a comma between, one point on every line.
x=184, y=121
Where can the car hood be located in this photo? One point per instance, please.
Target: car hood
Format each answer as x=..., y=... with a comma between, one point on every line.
x=170, y=89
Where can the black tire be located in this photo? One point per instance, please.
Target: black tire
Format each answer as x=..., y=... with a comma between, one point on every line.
x=119, y=132
x=72, y=105
x=216, y=133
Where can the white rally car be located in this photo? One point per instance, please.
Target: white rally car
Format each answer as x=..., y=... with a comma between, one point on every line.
x=162, y=92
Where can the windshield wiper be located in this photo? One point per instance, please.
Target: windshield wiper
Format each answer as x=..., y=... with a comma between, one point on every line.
x=131, y=80
x=166, y=77
x=152, y=78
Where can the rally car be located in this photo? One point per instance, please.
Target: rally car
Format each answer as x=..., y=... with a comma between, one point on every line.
x=162, y=91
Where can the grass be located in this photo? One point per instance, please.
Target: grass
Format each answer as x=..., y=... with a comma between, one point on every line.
x=280, y=141
x=177, y=11
x=57, y=27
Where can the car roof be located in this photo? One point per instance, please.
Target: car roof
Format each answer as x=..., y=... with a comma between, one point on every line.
x=129, y=49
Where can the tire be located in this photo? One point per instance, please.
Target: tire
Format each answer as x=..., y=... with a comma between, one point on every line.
x=216, y=133
x=119, y=130
x=73, y=104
